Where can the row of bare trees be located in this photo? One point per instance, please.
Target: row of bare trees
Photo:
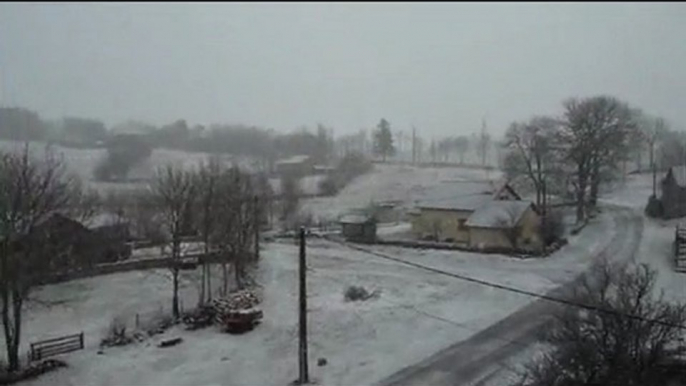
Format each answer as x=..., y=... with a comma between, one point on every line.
x=578, y=151
x=223, y=207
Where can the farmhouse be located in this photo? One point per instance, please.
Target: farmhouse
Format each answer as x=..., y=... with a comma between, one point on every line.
x=485, y=218
x=674, y=192
x=359, y=228
x=299, y=165
x=68, y=244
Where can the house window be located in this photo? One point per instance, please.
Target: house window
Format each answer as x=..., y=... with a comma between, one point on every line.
x=461, y=225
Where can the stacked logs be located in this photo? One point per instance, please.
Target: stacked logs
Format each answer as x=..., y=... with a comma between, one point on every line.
x=238, y=312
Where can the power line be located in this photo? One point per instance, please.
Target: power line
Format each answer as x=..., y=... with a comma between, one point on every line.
x=432, y=316
x=508, y=288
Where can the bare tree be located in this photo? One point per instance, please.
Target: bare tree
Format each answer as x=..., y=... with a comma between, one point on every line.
x=461, y=145
x=594, y=136
x=483, y=144
x=236, y=225
x=532, y=143
x=433, y=151
x=625, y=335
x=85, y=203
x=290, y=197
x=173, y=189
x=206, y=207
x=31, y=190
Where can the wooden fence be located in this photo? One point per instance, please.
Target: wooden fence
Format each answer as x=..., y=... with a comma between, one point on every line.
x=55, y=346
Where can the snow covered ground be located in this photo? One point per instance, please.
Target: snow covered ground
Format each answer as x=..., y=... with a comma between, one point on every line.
x=416, y=314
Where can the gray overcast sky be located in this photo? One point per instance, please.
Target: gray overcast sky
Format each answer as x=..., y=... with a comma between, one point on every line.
x=441, y=66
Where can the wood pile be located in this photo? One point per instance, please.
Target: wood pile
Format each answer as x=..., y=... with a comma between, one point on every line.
x=238, y=312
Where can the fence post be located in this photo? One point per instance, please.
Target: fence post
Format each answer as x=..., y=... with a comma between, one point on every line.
x=81, y=339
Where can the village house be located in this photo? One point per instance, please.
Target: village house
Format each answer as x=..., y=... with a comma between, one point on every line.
x=673, y=197
x=484, y=219
x=298, y=165
x=65, y=244
x=358, y=228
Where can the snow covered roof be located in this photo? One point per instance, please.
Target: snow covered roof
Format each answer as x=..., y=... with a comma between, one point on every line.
x=296, y=159
x=466, y=202
x=679, y=174
x=355, y=219
x=498, y=214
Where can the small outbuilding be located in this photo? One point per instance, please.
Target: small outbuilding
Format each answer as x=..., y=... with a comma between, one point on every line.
x=673, y=197
x=358, y=228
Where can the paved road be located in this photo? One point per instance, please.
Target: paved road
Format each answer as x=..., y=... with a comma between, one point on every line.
x=470, y=362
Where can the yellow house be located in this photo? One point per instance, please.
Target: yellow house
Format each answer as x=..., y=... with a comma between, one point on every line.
x=479, y=220
x=505, y=224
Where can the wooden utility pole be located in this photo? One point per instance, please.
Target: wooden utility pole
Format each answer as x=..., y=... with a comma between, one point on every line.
x=414, y=144
x=256, y=219
x=304, y=376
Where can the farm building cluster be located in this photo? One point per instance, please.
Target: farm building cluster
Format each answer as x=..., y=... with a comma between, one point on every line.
x=477, y=215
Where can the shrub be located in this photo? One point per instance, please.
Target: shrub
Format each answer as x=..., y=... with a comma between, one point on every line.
x=116, y=334
x=654, y=207
x=358, y=293
x=351, y=166
x=123, y=153
x=328, y=186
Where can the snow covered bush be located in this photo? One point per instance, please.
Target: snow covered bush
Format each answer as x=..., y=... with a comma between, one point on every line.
x=358, y=293
x=116, y=334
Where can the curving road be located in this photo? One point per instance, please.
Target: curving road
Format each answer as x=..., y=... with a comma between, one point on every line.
x=473, y=361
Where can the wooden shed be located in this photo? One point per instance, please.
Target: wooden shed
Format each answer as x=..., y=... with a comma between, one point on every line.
x=358, y=228
x=680, y=248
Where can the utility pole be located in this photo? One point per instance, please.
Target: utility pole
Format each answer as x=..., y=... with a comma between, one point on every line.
x=302, y=352
x=256, y=222
x=414, y=144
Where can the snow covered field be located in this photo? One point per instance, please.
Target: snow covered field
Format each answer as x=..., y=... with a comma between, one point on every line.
x=82, y=161
x=395, y=182
x=416, y=314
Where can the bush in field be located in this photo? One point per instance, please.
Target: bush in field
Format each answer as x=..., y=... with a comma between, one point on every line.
x=116, y=334
x=124, y=151
x=328, y=186
x=351, y=166
x=358, y=293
